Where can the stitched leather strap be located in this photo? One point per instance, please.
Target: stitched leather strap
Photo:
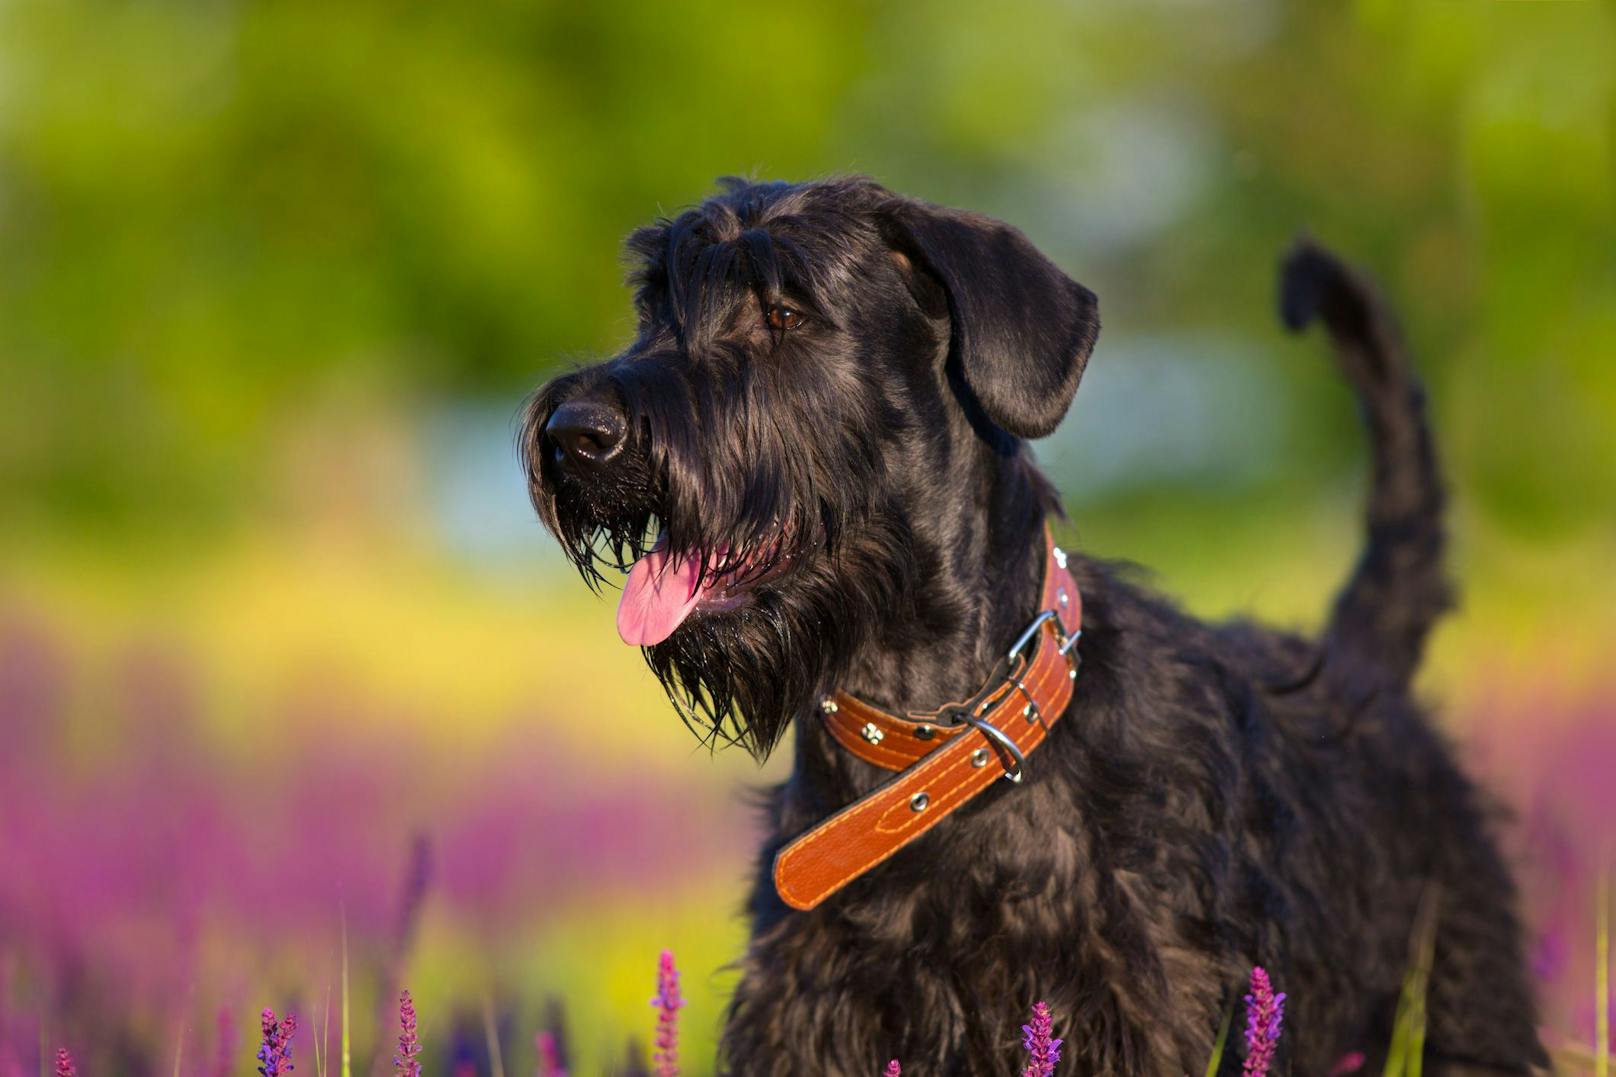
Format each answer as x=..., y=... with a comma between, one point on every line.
x=943, y=761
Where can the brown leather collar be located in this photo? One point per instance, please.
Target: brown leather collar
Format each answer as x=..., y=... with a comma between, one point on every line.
x=942, y=756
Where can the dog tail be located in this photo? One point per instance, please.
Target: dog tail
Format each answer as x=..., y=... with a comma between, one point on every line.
x=1399, y=587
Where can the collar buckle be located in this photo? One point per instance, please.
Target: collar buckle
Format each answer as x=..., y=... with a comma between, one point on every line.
x=1063, y=637
x=1031, y=630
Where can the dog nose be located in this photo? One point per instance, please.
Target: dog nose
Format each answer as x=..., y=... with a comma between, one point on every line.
x=585, y=433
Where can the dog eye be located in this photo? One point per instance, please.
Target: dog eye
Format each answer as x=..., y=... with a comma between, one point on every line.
x=783, y=317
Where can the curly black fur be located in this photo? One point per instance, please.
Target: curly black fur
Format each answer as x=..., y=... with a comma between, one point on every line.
x=1217, y=796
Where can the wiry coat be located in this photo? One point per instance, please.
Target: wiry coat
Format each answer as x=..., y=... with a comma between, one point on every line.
x=1215, y=796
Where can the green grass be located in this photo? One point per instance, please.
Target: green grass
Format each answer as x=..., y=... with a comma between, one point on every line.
x=347, y=1043
x=1216, y=1060
x=1406, y=1057
x=1602, y=977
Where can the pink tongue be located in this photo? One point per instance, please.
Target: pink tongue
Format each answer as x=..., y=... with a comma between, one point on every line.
x=657, y=597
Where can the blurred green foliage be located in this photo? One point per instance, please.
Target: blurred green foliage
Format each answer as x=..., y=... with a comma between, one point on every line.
x=215, y=216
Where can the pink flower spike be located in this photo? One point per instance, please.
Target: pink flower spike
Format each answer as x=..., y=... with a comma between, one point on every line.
x=1043, y=1051
x=275, y=1054
x=549, y=1055
x=64, y=1064
x=893, y=1069
x=408, y=1061
x=1265, y=1013
x=667, y=1002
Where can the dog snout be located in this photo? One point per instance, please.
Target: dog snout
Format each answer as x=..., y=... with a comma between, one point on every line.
x=585, y=434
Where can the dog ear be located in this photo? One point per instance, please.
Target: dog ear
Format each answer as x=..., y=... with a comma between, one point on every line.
x=1022, y=329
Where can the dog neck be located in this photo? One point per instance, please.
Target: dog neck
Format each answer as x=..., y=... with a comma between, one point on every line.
x=953, y=632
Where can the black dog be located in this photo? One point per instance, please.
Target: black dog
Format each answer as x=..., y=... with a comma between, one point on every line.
x=812, y=454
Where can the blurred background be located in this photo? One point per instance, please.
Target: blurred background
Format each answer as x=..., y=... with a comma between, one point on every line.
x=281, y=643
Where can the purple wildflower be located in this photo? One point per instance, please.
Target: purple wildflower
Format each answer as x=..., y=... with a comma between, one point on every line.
x=407, y=1061
x=275, y=1056
x=549, y=1055
x=893, y=1069
x=1043, y=1052
x=1265, y=1012
x=64, y=1064
x=667, y=1002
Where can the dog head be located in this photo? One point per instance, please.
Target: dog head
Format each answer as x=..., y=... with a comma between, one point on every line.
x=822, y=373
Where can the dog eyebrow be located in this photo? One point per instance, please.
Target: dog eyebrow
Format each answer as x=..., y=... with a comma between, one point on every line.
x=704, y=280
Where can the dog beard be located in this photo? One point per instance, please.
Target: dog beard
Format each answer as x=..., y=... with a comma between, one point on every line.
x=730, y=677
x=810, y=571
x=737, y=676
x=740, y=676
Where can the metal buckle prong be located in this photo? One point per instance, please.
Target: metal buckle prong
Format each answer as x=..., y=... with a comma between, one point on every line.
x=1032, y=712
x=1068, y=642
x=999, y=739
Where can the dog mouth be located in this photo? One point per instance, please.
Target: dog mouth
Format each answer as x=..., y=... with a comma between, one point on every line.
x=664, y=589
